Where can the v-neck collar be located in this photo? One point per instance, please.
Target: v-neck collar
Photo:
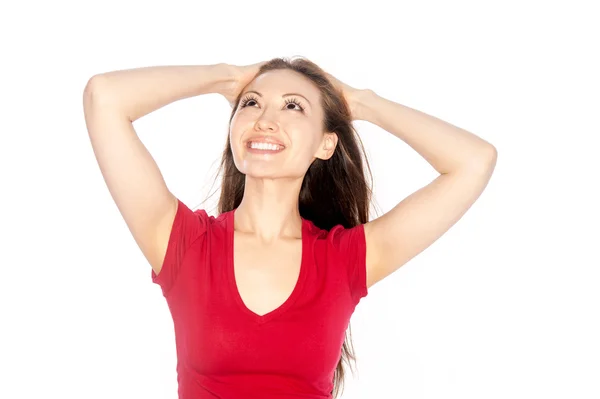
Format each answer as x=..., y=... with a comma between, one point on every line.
x=233, y=284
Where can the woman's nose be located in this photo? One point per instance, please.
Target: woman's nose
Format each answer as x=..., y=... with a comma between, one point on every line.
x=264, y=123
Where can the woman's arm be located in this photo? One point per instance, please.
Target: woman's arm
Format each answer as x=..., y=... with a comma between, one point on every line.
x=138, y=92
x=465, y=163
x=111, y=102
x=446, y=147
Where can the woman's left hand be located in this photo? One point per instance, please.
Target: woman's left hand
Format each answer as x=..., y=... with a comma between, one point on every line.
x=352, y=95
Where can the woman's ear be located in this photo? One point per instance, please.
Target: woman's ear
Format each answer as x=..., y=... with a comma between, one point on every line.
x=327, y=146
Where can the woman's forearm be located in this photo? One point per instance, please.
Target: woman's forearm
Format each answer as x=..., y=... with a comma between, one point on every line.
x=138, y=92
x=446, y=147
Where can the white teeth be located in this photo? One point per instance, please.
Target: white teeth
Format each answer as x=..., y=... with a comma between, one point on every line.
x=265, y=146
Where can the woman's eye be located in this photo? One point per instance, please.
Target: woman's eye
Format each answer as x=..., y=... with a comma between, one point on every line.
x=246, y=101
x=295, y=102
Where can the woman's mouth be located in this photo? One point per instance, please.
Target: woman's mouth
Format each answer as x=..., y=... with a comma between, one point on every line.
x=258, y=147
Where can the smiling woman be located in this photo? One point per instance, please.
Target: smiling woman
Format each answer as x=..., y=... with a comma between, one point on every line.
x=262, y=294
x=315, y=173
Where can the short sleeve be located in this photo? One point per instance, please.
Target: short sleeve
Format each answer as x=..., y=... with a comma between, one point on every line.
x=187, y=227
x=351, y=252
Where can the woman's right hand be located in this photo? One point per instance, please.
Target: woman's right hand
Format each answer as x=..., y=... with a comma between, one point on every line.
x=241, y=76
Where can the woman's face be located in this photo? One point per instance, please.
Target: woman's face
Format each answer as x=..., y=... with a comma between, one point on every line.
x=276, y=134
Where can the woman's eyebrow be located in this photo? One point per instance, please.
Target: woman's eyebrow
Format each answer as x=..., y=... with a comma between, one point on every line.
x=283, y=95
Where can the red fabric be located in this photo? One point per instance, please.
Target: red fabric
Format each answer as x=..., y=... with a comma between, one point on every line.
x=226, y=351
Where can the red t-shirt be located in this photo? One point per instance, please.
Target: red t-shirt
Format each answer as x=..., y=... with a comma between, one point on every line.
x=226, y=351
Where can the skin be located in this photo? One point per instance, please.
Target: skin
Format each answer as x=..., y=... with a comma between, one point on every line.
x=269, y=209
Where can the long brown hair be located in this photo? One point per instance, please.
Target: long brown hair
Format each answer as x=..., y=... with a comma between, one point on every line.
x=334, y=191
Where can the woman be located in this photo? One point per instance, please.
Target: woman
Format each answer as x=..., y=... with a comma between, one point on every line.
x=267, y=316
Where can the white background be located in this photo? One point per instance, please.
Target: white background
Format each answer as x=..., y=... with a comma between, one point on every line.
x=505, y=305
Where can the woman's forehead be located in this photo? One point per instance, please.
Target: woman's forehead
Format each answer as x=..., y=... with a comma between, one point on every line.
x=284, y=81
